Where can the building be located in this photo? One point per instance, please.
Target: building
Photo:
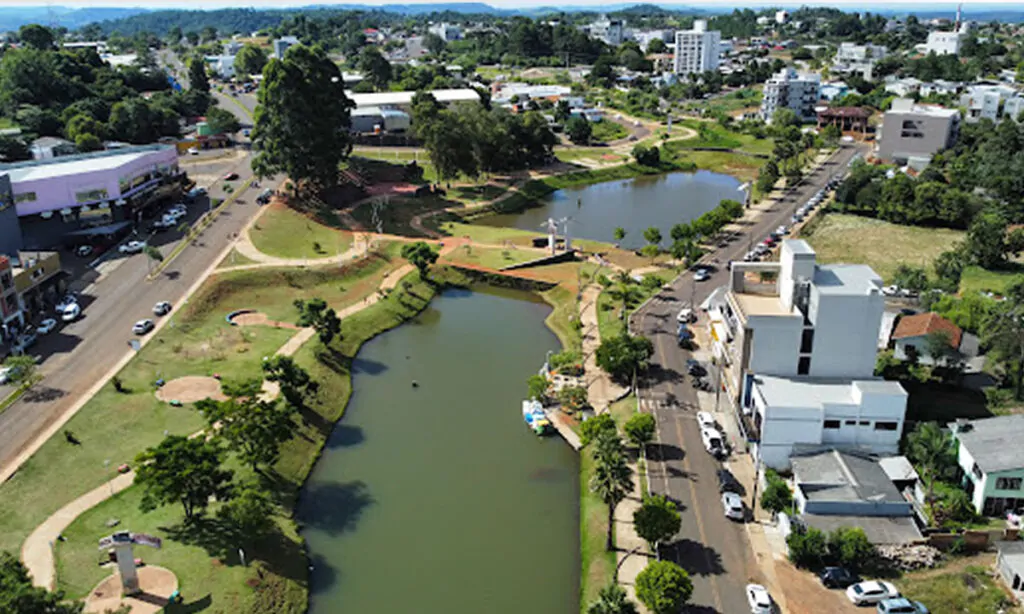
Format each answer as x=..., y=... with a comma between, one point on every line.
x=49, y=147
x=991, y=102
x=940, y=87
x=903, y=88
x=781, y=17
x=403, y=100
x=991, y=463
x=376, y=120
x=610, y=31
x=12, y=317
x=38, y=279
x=1010, y=565
x=833, y=91
x=842, y=489
x=446, y=31
x=848, y=119
x=915, y=132
x=790, y=90
x=696, y=50
x=858, y=59
x=222, y=65
x=232, y=47
x=505, y=92
x=645, y=37
x=912, y=334
x=282, y=44
x=944, y=43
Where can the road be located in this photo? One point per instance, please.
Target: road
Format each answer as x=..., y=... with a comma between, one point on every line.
x=712, y=548
x=81, y=353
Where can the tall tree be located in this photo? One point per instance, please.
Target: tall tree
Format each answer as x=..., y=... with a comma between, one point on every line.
x=1004, y=334
x=624, y=356
x=250, y=60
x=222, y=121
x=18, y=595
x=612, y=479
x=254, y=428
x=197, y=78
x=36, y=36
x=294, y=381
x=656, y=520
x=182, y=470
x=250, y=513
x=578, y=129
x=375, y=67
x=612, y=599
x=663, y=587
x=317, y=314
x=302, y=121
x=420, y=255
x=930, y=448
x=986, y=240
x=640, y=429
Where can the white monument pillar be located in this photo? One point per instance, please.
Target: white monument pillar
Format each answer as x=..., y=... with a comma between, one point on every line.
x=123, y=544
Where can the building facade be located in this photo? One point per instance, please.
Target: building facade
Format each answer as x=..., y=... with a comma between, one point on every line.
x=790, y=90
x=645, y=37
x=989, y=457
x=914, y=131
x=610, y=31
x=991, y=102
x=859, y=59
x=282, y=44
x=446, y=31
x=944, y=43
x=696, y=50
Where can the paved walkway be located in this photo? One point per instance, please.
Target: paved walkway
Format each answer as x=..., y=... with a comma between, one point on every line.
x=601, y=390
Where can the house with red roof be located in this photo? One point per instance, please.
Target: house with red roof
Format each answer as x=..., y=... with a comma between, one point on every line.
x=917, y=335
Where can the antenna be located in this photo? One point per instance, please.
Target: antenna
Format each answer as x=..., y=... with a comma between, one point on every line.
x=959, y=9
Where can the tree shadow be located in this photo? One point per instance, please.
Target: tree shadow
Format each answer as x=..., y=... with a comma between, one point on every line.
x=218, y=538
x=43, y=394
x=334, y=508
x=198, y=605
x=665, y=452
x=370, y=367
x=657, y=374
x=345, y=436
x=696, y=558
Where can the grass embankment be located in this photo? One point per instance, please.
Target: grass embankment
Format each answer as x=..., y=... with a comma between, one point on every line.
x=977, y=279
x=203, y=557
x=234, y=258
x=711, y=134
x=963, y=586
x=839, y=237
x=396, y=216
x=283, y=232
x=609, y=321
x=491, y=258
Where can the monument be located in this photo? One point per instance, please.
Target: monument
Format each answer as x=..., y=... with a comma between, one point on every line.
x=123, y=544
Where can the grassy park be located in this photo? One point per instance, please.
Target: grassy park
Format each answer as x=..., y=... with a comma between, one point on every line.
x=278, y=230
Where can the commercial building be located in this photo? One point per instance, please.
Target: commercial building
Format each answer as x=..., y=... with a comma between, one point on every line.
x=282, y=44
x=446, y=31
x=988, y=452
x=403, y=100
x=696, y=50
x=944, y=43
x=842, y=489
x=913, y=132
x=790, y=90
x=858, y=59
x=610, y=31
x=376, y=120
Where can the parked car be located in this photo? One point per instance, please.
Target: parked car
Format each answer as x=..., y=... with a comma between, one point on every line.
x=713, y=442
x=142, y=327
x=705, y=420
x=71, y=312
x=65, y=302
x=193, y=151
x=732, y=506
x=685, y=316
x=694, y=367
x=84, y=250
x=46, y=326
x=246, y=133
x=701, y=275
x=6, y=374
x=179, y=210
x=265, y=196
x=901, y=605
x=132, y=247
x=872, y=591
x=195, y=193
x=162, y=308
x=758, y=599
x=230, y=176
x=727, y=482
x=782, y=230
x=837, y=577
x=891, y=291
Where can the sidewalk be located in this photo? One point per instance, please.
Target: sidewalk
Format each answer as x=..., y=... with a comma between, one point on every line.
x=601, y=390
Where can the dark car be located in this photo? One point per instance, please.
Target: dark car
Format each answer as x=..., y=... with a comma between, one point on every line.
x=837, y=577
x=693, y=367
x=727, y=482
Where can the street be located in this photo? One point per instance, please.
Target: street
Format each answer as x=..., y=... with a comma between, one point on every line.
x=714, y=549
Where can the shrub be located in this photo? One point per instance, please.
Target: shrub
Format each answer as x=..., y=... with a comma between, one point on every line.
x=807, y=548
x=850, y=547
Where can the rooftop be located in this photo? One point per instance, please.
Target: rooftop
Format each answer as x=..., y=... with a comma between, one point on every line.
x=992, y=442
x=73, y=165
x=926, y=323
x=907, y=106
x=898, y=468
x=1012, y=552
x=855, y=112
x=761, y=305
x=816, y=391
x=386, y=98
x=879, y=529
x=840, y=476
x=846, y=279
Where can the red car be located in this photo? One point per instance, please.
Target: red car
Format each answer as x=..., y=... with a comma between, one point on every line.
x=230, y=177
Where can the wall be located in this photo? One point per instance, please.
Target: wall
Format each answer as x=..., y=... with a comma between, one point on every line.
x=990, y=490
x=845, y=334
x=775, y=345
x=966, y=462
x=781, y=427
x=937, y=135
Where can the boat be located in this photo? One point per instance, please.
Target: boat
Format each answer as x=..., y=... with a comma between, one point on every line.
x=536, y=419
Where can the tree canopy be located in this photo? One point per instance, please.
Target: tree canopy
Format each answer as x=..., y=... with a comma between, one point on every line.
x=182, y=470
x=663, y=587
x=254, y=428
x=656, y=520
x=19, y=596
x=624, y=356
x=250, y=60
x=420, y=255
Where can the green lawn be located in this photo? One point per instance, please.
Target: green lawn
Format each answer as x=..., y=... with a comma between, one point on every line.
x=476, y=194
x=966, y=590
x=595, y=155
x=286, y=233
x=497, y=235
x=491, y=258
x=234, y=258
x=397, y=214
x=609, y=323
x=598, y=564
x=711, y=134
x=839, y=237
x=977, y=279
x=739, y=166
x=607, y=130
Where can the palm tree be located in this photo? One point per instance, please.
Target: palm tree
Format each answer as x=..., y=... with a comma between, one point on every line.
x=928, y=446
x=612, y=479
x=625, y=291
x=612, y=600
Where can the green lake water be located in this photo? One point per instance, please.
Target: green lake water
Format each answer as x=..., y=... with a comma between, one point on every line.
x=438, y=499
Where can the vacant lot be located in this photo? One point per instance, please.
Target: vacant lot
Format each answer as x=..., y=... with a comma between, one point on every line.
x=286, y=233
x=977, y=279
x=882, y=246
x=963, y=586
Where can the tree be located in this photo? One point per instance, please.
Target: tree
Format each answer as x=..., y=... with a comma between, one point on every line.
x=254, y=428
x=602, y=73
x=647, y=156
x=612, y=599
x=36, y=36
x=640, y=429
x=83, y=124
x=13, y=149
x=182, y=470
x=930, y=448
x=592, y=428
x=578, y=129
x=152, y=255
x=420, y=255
x=851, y=548
x=250, y=513
x=250, y=60
x=302, y=122
x=656, y=520
x=197, y=78
x=19, y=595
x=572, y=398
x=612, y=479
x=910, y=277
x=807, y=548
x=653, y=236
x=434, y=43
x=1003, y=333
x=294, y=381
x=985, y=244
x=22, y=370
x=784, y=118
x=375, y=68
x=222, y=121
x=620, y=234
x=657, y=46
x=537, y=387
x=663, y=587
x=625, y=355
x=776, y=497
x=562, y=111
x=949, y=266
x=317, y=314
x=938, y=344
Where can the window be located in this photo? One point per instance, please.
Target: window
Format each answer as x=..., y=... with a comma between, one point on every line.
x=886, y=426
x=807, y=341
x=832, y=424
x=91, y=195
x=803, y=367
x=851, y=423
x=1009, y=483
x=865, y=423
x=25, y=197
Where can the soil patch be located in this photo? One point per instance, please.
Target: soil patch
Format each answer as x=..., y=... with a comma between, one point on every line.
x=190, y=389
x=156, y=583
x=256, y=318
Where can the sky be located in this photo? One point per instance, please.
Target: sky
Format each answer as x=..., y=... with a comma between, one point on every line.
x=208, y=4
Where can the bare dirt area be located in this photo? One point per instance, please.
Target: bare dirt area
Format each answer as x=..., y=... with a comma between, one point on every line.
x=157, y=585
x=256, y=318
x=190, y=389
x=804, y=594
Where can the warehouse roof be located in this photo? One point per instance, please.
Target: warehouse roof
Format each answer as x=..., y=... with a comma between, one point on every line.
x=377, y=99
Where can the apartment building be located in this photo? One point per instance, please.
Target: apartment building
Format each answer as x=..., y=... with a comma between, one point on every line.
x=991, y=102
x=611, y=31
x=446, y=31
x=858, y=59
x=915, y=132
x=696, y=50
x=791, y=90
x=645, y=37
x=944, y=43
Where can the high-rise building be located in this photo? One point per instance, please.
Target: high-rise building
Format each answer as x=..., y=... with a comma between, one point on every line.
x=790, y=90
x=611, y=31
x=697, y=49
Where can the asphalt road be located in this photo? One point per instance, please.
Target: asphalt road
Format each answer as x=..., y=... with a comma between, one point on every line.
x=80, y=354
x=714, y=549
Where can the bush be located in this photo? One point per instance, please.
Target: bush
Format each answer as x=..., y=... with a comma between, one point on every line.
x=808, y=548
x=850, y=548
x=663, y=587
x=592, y=428
x=776, y=497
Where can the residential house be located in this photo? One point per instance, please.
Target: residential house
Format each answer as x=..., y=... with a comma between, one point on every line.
x=781, y=17
x=790, y=90
x=913, y=131
x=940, y=87
x=903, y=87
x=282, y=44
x=848, y=119
x=992, y=102
x=858, y=59
x=1010, y=565
x=913, y=335
x=696, y=50
x=446, y=31
x=991, y=463
x=49, y=147
x=842, y=489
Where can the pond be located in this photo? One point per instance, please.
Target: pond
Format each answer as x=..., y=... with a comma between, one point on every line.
x=437, y=498
x=636, y=204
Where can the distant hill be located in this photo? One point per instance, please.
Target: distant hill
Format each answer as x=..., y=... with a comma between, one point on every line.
x=13, y=17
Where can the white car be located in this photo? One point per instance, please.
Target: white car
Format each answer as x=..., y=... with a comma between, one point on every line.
x=71, y=312
x=132, y=247
x=732, y=506
x=193, y=151
x=758, y=599
x=66, y=302
x=872, y=591
x=713, y=441
x=782, y=230
x=705, y=420
x=84, y=250
x=701, y=275
x=142, y=327
x=685, y=316
x=162, y=308
x=46, y=326
x=5, y=375
x=891, y=291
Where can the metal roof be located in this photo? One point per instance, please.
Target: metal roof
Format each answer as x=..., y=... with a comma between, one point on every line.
x=879, y=529
x=385, y=98
x=992, y=442
x=840, y=476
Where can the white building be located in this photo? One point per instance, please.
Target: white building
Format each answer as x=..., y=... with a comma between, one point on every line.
x=282, y=44
x=232, y=47
x=644, y=37
x=790, y=90
x=611, y=31
x=989, y=456
x=940, y=87
x=696, y=50
x=903, y=88
x=944, y=43
x=781, y=17
x=222, y=65
x=446, y=31
x=859, y=59
x=985, y=102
